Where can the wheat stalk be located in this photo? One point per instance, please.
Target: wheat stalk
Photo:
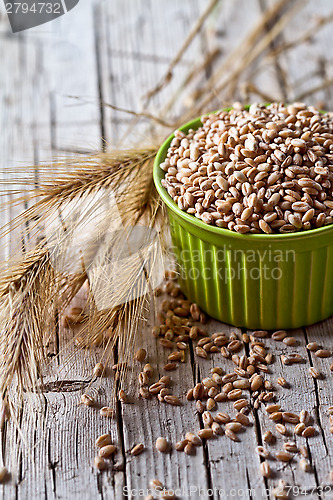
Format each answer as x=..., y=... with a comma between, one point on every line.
x=226, y=77
x=27, y=311
x=27, y=285
x=127, y=175
x=74, y=180
x=187, y=42
x=125, y=299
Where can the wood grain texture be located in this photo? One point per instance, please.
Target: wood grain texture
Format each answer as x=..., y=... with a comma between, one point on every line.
x=224, y=455
x=173, y=469
x=52, y=89
x=298, y=395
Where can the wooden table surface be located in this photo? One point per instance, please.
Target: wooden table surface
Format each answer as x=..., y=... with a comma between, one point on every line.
x=52, y=81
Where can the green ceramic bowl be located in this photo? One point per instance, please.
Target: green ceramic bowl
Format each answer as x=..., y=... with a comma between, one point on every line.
x=257, y=281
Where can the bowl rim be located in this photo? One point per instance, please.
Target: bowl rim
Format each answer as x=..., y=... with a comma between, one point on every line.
x=158, y=175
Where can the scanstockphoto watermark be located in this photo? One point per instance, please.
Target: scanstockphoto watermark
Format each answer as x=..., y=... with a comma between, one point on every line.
x=30, y=13
x=194, y=491
x=228, y=264
x=186, y=491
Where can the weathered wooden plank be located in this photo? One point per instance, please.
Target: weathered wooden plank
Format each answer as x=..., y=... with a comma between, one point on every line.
x=146, y=420
x=300, y=394
x=48, y=422
x=22, y=85
x=89, y=425
x=70, y=62
x=57, y=460
x=140, y=49
x=307, y=65
x=225, y=455
x=321, y=447
x=17, y=110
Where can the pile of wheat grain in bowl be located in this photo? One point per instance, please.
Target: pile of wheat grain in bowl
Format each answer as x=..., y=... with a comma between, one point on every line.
x=256, y=170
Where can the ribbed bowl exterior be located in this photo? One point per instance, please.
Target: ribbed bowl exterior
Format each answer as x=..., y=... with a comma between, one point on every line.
x=257, y=281
x=259, y=287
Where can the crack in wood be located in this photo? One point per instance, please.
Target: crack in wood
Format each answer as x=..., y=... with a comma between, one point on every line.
x=120, y=423
x=99, y=479
x=97, y=22
x=249, y=483
x=19, y=448
x=310, y=454
x=257, y=425
x=52, y=465
x=64, y=386
x=317, y=396
x=205, y=447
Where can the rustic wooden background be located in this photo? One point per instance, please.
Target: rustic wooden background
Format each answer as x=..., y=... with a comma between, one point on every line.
x=53, y=80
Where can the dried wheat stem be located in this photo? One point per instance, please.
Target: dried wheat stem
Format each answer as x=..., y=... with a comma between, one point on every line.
x=149, y=116
x=306, y=36
x=244, y=48
x=76, y=180
x=12, y=275
x=250, y=88
x=27, y=309
x=187, y=42
x=169, y=73
x=314, y=90
x=198, y=70
x=244, y=55
x=141, y=114
x=248, y=58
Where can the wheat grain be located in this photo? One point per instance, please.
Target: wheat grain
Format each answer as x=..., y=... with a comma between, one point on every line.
x=265, y=469
x=107, y=451
x=161, y=444
x=312, y=346
x=262, y=452
x=322, y=353
x=172, y=400
x=189, y=449
x=281, y=429
x=291, y=447
x=140, y=355
x=231, y=435
x=229, y=180
x=206, y=433
x=99, y=463
x=305, y=465
x=284, y=456
x=103, y=440
x=87, y=400
x=193, y=438
x=290, y=417
x=107, y=411
x=299, y=428
x=309, y=431
x=137, y=449
x=268, y=437
x=3, y=474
